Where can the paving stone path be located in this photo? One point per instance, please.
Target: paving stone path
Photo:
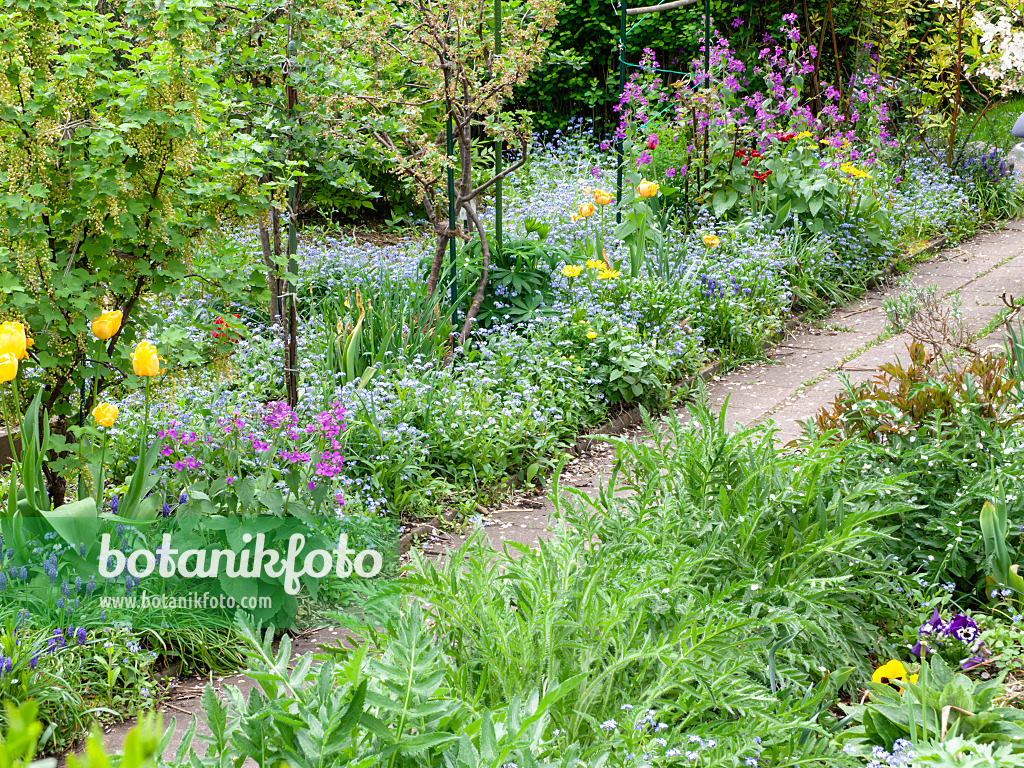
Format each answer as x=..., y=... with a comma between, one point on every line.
x=802, y=373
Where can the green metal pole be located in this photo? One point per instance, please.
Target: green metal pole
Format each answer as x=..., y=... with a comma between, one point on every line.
x=622, y=86
x=707, y=43
x=499, y=145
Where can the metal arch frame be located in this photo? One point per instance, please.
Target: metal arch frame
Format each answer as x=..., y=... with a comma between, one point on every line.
x=623, y=33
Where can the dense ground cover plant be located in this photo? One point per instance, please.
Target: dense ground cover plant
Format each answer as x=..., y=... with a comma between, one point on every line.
x=951, y=439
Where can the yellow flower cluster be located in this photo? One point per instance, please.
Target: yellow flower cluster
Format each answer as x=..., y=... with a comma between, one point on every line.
x=595, y=264
x=572, y=270
x=607, y=274
x=805, y=135
x=854, y=171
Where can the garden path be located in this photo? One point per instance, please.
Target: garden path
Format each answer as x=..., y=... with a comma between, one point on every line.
x=802, y=374
x=805, y=371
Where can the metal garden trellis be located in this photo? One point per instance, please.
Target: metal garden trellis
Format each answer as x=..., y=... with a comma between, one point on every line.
x=499, y=144
x=623, y=33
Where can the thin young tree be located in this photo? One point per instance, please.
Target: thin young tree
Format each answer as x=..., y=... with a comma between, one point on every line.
x=428, y=62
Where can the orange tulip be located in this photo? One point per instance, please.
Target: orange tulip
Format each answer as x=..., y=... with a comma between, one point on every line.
x=647, y=189
x=107, y=324
x=145, y=360
x=586, y=210
x=13, y=339
x=8, y=366
x=105, y=414
x=602, y=198
x=711, y=241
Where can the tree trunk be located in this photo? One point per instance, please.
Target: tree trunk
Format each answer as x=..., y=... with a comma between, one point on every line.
x=270, y=261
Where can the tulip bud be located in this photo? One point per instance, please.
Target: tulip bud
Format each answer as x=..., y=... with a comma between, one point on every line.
x=13, y=340
x=8, y=366
x=652, y=141
x=145, y=360
x=107, y=324
x=105, y=414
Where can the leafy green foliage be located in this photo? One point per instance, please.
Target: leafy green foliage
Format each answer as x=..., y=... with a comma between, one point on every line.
x=392, y=706
x=958, y=752
x=106, y=176
x=673, y=593
x=519, y=281
x=393, y=325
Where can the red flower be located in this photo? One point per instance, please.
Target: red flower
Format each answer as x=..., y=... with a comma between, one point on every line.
x=762, y=176
x=230, y=335
x=740, y=153
x=744, y=162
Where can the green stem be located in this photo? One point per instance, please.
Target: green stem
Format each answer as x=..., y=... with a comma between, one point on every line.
x=145, y=426
x=99, y=480
x=10, y=435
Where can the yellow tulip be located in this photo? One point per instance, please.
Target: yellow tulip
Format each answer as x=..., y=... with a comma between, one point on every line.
x=891, y=670
x=107, y=324
x=711, y=241
x=591, y=334
x=8, y=366
x=13, y=340
x=145, y=361
x=586, y=210
x=647, y=189
x=105, y=414
x=602, y=198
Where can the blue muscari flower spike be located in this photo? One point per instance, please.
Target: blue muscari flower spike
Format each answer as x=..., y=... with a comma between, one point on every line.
x=114, y=505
